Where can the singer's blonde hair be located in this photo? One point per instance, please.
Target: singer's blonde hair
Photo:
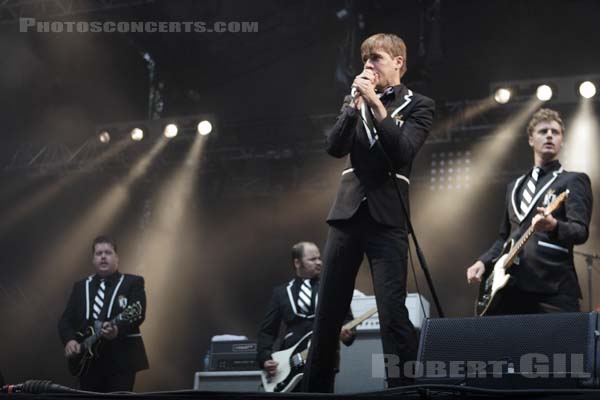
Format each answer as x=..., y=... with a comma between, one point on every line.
x=388, y=42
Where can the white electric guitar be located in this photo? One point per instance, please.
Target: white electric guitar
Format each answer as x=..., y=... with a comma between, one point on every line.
x=291, y=361
x=490, y=290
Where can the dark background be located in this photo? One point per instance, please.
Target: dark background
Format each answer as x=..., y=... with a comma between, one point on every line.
x=272, y=94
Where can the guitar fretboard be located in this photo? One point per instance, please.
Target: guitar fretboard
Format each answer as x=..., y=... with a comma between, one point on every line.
x=527, y=235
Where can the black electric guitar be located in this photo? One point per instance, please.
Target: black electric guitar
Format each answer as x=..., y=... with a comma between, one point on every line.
x=291, y=361
x=90, y=340
x=492, y=286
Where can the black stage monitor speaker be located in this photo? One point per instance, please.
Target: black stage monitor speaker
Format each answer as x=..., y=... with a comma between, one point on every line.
x=512, y=351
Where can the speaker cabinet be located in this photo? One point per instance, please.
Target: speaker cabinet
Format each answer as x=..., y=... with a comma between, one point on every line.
x=513, y=351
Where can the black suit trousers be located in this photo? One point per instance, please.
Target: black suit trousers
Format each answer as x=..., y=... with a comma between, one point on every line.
x=103, y=379
x=386, y=249
x=516, y=301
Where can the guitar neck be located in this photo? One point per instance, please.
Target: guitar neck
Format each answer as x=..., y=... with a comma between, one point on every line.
x=115, y=320
x=350, y=325
x=359, y=320
x=527, y=235
x=519, y=245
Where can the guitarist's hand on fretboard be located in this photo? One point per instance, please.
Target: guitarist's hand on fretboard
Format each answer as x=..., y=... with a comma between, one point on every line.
x=346, y=335
x=543, y=221
x=109, y=331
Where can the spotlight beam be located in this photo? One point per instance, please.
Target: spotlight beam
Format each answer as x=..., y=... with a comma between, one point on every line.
x=579, y=154
x=162, y=243
x=487, y=156
x=71, y=247
x=581, y=141
x=467, y=114
x=50, y=191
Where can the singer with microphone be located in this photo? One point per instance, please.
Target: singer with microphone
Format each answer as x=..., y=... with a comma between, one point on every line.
x=382, y=126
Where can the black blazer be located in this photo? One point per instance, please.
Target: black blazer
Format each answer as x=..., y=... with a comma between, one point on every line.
x=126, y=353
x=546, y=264
x=282, y=310
x=401, y=134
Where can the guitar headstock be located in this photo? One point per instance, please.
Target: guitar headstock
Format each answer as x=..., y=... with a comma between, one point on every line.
x=557, y=202
x=132, y=313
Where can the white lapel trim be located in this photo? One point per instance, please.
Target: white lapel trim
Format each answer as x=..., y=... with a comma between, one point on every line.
x=87, y=296
x=293, y=303
x=403, y=178
x=372, y=136
x=112, y=300
x=553, y=246
x=291, y=297
x=363, y=110
x=513, y=197
x=522, y=216
x=407, y=100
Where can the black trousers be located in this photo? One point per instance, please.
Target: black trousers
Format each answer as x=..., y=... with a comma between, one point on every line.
x=103, y=379
x=516, y=301
x=386, y=249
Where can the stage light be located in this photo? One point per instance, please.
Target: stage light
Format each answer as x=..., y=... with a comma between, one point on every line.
x=137, y=134
x=543, y=92
x=170, y=131
x=104, y=137
x=502, y=95
x=204, y=127
x=587, y=89
x=342, y=14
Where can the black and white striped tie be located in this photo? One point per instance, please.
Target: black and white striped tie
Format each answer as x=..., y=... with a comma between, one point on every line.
x=529, y=190
x=99, y=299
x=305, y=296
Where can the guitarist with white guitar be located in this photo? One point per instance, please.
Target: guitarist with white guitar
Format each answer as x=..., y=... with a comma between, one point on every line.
x=290, y=313
x=547, y=212
x=100, y=326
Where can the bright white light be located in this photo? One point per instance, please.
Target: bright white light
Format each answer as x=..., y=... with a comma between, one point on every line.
x=204, y=127
x=502, y=95
x=170, y=131
x=579, y=148
x=137, y=134
x=587, y=89
x=544, y=92
x=104, y=137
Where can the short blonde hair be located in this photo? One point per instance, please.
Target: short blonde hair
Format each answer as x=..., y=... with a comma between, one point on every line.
x=545, y=115
x=388, y=42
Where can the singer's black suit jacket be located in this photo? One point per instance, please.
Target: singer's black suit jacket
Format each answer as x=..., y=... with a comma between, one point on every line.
x=545, y=265
x=125, y=353
x=401, y=134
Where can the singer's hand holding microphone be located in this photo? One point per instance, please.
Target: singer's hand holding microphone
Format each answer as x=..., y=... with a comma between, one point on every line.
x=363, y=87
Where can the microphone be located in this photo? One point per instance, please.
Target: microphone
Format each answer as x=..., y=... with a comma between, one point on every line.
x=36, y=387
x=354, y=92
